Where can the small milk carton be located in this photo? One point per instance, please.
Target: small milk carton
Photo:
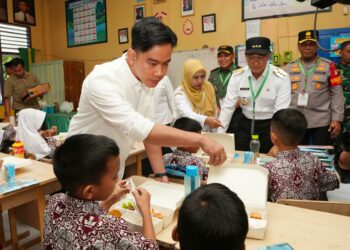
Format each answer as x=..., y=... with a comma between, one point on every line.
x=249, y=182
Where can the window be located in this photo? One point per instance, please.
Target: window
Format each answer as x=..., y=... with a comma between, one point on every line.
x=13, y=37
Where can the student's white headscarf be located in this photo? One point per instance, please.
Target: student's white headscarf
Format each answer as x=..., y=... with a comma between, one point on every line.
x=29, y=122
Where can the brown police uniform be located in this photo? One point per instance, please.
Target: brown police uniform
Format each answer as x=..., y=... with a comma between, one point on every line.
x=16, y=87
x=325, y=101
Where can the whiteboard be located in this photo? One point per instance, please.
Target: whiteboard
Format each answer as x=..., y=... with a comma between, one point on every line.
x=253, y=9
x=206, y=56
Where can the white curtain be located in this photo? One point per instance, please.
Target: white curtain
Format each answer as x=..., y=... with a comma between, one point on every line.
x=51, y=72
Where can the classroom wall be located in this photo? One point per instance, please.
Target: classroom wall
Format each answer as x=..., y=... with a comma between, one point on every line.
x=50, y=34
x=38, y=37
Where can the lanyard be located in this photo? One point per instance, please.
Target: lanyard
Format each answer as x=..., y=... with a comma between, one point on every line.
x=307, y=73
x=254, y=96
x=227, y=78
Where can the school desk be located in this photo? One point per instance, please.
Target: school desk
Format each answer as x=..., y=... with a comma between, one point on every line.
x=301, y=228
x=47, y=183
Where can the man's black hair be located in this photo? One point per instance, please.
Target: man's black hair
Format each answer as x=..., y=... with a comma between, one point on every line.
x=8, y=64
x=290, y=125
x=82, y=160
x=187, y=124
x=149, y=32
x=17, y=61
x=212, y=217
x=344, y=44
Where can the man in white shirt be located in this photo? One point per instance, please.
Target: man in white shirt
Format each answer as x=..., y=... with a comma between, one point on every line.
x=262, y=89
x=23, y=15
x=165, y=109
x=117, y=99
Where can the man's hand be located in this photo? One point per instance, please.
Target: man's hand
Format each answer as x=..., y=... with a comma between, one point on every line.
x=213, y=122
x=215, y=151
x=335, y=128
x=162, y=179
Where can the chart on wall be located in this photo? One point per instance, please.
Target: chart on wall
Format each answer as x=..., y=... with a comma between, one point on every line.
x=254, y=9
x=86, y=22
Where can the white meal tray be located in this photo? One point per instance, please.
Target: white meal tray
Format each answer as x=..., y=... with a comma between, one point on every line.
x=165, y=198
x=249, y=182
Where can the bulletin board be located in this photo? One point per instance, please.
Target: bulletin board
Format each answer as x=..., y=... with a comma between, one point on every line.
x=86, y=22
x=258, y=9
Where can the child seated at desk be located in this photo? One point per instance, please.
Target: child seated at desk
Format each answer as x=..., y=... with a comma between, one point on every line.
x=87, y=168
x=211, y=217
x=40, y=143
x=182, y=156
x=295, y=174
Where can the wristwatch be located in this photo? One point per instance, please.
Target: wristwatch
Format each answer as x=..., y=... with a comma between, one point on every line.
x=157, y=175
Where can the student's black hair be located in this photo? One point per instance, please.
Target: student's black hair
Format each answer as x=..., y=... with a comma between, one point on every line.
x=187, y=124
x=290, y=126
x=82, y=160
x=344, y=44
x=212, y=217
x=17, y=61
x=8, y=64
x=150, y=31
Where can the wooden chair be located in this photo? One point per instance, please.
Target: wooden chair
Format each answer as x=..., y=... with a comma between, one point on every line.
x=341, y=208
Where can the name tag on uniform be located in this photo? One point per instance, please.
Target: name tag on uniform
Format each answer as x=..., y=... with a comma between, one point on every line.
x=243, y=88
x=302, y=99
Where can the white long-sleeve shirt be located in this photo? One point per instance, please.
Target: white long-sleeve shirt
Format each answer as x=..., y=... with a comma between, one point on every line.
x=275, y=95
x=115, y=104
x=184, y=108
x=165, y=108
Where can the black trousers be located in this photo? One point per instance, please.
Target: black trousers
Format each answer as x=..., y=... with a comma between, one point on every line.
x=317, y=136
x=243, y=135
x=234, y=123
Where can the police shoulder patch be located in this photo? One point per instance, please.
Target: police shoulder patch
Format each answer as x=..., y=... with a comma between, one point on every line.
x=280, y=73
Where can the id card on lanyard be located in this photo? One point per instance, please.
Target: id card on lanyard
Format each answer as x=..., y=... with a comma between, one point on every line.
x=254, y=96
x=303, y=97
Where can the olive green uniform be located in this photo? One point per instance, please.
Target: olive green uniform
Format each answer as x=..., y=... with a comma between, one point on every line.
x=344, y=71
x=219, y=78
x=16, y=87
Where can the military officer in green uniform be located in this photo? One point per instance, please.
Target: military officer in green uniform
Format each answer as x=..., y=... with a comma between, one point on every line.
x=316, y=91
x=344, y=70
x=220, y=77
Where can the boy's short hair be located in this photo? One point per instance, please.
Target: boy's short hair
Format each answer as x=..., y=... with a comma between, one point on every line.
x=187, y=124
x=17, y=61
x=290, y=126
x=212, y=217
x=150, y=31
x=82, y=160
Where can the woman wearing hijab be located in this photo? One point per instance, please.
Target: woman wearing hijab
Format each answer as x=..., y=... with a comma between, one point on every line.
x=195, y=98
x=40, y=143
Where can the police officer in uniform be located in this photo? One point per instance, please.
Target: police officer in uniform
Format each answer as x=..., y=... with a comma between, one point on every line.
x=316, y=91
x=344, y=71
x=261, y=90
x=220, y=77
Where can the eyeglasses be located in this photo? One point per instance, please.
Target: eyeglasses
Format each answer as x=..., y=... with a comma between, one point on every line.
x=256, y=58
